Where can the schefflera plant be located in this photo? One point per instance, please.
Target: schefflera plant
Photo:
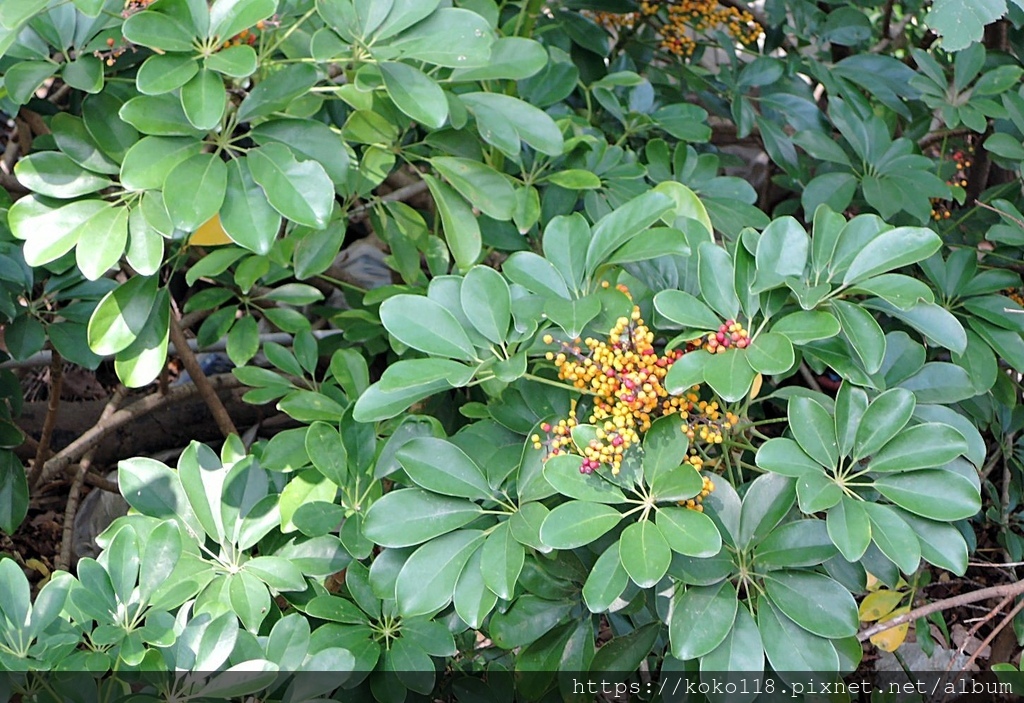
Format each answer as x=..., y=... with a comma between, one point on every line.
x=890, y=482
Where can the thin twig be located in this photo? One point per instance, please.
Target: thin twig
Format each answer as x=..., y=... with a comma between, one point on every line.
x=1019, y=222
x=64, y=557
x=1011, y=589
x=977, y=626
x=809, y=378
x=188, y=359
x=360, y=213
x=992, y=635
x=98, y=432
x=1007, y=565
x=52, y=407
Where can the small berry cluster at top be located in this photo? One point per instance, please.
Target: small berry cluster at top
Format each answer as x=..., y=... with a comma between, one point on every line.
x=679, y=21
x=729, y=335
x=625, y=375
x=961, y=162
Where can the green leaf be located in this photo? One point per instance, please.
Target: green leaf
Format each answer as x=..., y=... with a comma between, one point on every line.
x=512, y=58
x=576, y=523
x=237, y=61
x=535, y=273
x=644, y=553
x=160, y=115
x=74, y=140
x=686, y=310
x=147, y=163
x=121, y=315
x=504, y=120
x=157, y=30
x=56, y=175
x=527, y=620
x=487, y=302
x=24, y=78
x=101, y=241
x=789, y=647
x=851, y=404
x=689, y=532
x=572, y=315
x=440, y=466
x=461, y=230
x=450, y=37
x=49, y=229
x=194, y=190
x=606, y=581
x=421, y=323
x=933, y=321
x=575, y=179
x=309, y=139
x=784, y=456
x=229, y=17
x=411, y=516
x=13, y=508
x=863, y=332
x=427, y=581
x=415, y=94
x=892, y=249
x=327, y=452
x=307, y=487
x=479, y=184
x=919, y=447
x=771, y=353
x=299, y=190
x=729, y=374
x=563, y=473
x=688, y=205
x=814, y=602
x=782, y=251
x=806, y=326
x=154, y=490
x=960, y=22
x=814, y=430
x=473, y=599
x=622, y=224
x=700, y=619
x=795, y=544
x=162, y=73
x=765, y=504
x=407, y=382
x=276, y=92
x=816, y=492
x=687, y=371
x=941, y=543
x=501, y=561
x=931, y=493
x=244, y=341
x=715, y=276
x=894, y=537
x=741, y=651
x=246, y=215
x=849, y=528
x=203, y=99
x=884, y=418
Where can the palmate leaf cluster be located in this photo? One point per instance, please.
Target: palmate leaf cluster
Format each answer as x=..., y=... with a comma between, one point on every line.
x=534, y=170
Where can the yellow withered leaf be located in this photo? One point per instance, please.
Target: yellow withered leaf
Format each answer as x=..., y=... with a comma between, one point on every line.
x=891, y=639
x=877, y=605
x=210, y=234
x=755, y=387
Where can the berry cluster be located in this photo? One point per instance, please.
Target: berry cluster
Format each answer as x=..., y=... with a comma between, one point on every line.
x=1016, y=295
x=729, y=335
x=246, y=36
x=625, y=375
x=961, y=162
x=678, y=22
